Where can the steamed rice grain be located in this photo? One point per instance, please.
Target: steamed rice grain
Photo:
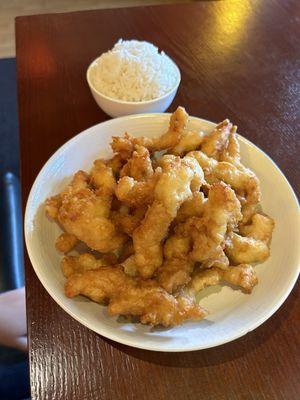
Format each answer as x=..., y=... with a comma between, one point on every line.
x=134, y=71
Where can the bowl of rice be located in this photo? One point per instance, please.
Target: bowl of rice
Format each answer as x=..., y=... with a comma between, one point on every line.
x=133, y=78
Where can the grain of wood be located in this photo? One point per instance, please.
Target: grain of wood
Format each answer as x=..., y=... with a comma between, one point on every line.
x=10, y=9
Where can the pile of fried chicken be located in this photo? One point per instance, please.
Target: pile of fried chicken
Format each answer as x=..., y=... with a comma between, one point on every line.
x=162, y=219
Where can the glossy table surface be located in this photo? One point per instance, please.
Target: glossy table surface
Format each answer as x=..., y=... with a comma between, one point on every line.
x=238, y=60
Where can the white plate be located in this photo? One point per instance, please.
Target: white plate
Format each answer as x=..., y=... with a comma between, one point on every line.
x=232, y=313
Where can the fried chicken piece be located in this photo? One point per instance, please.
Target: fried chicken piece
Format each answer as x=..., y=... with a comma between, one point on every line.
x=71, y=265
x=129, y=296
x=85, y=214
x=52, y=206
x=128, y=220
x=231, y=152
x=155, y=306
x=134, y=193
x=171, y=190
x=200, y=239
x=214, y=143
x=242, y=275
x=242, y=180
x=176, y=269
x=65, y=242
x=175, y=273
x=221, y=210
x=171, y=138
x=248, y=210
x=123, y=146
x=177, y=246
x=193, y=207
x=115, y=163
x=148, y=236
x=189, y=140
x=102, y=178
x=100, y=284
x=126, y=251
x=198, y=179
x=176, y=138
x=130, y=267
x=245, y=250
x=260, y=228
x=139, y=166
x=80, y=181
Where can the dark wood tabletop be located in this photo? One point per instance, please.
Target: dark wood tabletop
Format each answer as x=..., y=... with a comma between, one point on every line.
x=238, y=60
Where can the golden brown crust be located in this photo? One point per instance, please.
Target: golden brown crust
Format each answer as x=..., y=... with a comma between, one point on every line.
x=170, y=213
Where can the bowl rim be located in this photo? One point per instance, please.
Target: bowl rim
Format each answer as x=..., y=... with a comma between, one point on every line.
x=137, y=103
x=276, y=304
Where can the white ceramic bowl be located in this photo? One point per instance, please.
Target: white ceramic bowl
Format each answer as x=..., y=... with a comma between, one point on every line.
x=231, y=313
x=118, y=108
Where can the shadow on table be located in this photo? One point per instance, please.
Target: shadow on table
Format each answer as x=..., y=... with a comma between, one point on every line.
x=220, y=354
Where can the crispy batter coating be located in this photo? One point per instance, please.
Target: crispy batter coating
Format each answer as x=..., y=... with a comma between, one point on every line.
x=222, y=209
x=260, y=228
x=171, y=190
x=52, y=206
x=169, y=215
x=177, y=246
x=124, y=146
x=242, y=275
x=71, y=265
x=84, y=213
x=127, y=220
x=176, y=269
x=139, y=166
x=173, y=135
x=128, y=296
x=190, y=140
x=245, y=250
x=242, y=180
x=65, y=242
x=115, y=163
x=137, y=193
x=155, y=306
x=99, y=284
x=175, y=273
x=215, y=142
x=193, y=207
x=126, y=251
x=102, y=178
x=231, y=152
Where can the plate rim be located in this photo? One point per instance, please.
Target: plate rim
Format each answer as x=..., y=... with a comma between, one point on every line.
x=112, y=336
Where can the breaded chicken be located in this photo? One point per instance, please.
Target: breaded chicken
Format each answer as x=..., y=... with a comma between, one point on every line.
x=246, y=250
x=171, y=190
x=84, y=213
x=170, y=215
x=214, y=143
x=65, y=242
x=155, y=306
x=137, y=193
x=222, y=210
x=260, y=228
x=242, y=275
x=139, y=166
x=129, y=296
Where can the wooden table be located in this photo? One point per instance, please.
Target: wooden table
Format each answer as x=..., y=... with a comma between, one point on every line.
x=238, y=60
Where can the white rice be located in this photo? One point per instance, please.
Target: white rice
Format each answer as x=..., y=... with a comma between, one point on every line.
x=134, y=71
